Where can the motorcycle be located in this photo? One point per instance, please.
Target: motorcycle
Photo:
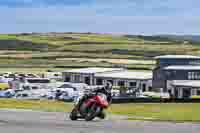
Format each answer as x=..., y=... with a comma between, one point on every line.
x=91, y=108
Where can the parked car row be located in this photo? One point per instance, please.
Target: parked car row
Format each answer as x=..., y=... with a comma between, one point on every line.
x=31, y=86
x=59, y=91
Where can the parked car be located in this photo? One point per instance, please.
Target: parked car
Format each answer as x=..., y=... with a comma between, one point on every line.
x=67, y=88
x=6, y=74
x=26, y=95
x=29, y=75
x=115, y=92
x=66, y=97
x=155, y=95
x=6, y=94
x=142, y=96
x=51, y=95
x=41, y=83
x=71, y=90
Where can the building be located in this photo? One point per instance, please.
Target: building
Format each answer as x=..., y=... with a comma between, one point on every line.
x=127, y=79
x=173, y=73
x=184, y=88
x=116, y=76
x=85, y=75
x=53, y=75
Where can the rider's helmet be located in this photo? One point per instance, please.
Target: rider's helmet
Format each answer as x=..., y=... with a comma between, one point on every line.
x=108, y=85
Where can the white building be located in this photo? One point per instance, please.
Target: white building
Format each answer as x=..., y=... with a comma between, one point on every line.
x=184, y=88
x=128, y=79
x=85, y=75
x=116, y=76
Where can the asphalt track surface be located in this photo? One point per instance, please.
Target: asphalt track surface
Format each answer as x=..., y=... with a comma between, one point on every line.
x=43, y=122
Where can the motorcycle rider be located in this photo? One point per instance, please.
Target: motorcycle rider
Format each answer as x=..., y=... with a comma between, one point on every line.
x=105, y=90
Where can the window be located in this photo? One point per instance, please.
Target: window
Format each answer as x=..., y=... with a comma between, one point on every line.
x=77, y=78
x=143, y=87
x=11, y=75
x=150, y=88
x=99, y=81
x=132, y=84
x=24, y=95
x=26, y=88
x=67, y=79
x=198, y=92
x=30, y=75
x=121, y=83
x=87, y=80
x=22, y=75
x=194, y=62
x=35, y=88
x=38, y=80
x=66, y=94
x=65, y=86
x=193, y=75
x=56, y=75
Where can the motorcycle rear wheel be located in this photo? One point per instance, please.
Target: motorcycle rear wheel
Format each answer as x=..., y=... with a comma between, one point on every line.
x=73, y=115
x=93, y=112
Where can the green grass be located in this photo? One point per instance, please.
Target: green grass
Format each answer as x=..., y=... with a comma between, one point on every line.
x=5, y=36
x=53, y=63
x=105, y=44
x=175, y=112
x=42, y=50
x=52, y=106
x=31, y=70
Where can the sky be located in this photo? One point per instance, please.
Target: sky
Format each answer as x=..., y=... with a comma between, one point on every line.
x=148, y=17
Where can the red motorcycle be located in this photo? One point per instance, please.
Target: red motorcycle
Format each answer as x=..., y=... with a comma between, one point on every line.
x=91, y=108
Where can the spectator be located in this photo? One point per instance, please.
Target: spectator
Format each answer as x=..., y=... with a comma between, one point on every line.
x=58, y=94
x=15, y=84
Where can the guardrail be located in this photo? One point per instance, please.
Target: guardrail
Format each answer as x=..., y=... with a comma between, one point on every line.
x=153, y=100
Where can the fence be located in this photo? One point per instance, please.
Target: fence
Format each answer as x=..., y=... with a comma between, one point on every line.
x=153, y=100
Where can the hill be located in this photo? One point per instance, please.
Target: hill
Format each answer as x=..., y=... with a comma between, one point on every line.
x=191, y=38
x=66, y=49
x=90, y=43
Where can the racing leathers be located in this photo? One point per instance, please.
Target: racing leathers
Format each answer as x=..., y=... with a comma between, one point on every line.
x=86, y=96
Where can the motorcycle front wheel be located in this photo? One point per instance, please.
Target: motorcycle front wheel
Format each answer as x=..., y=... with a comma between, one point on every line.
x=102, y=115
x=92, y=112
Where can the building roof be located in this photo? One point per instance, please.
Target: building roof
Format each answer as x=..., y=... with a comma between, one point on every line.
x=177, y=57
x=186, y=83
x=182, y=67
x=126, y=75
x=93, y=70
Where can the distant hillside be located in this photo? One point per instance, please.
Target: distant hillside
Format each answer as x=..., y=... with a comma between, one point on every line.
x=191, y=38
x=77, y=50
x=94, y=45
x=155, y=38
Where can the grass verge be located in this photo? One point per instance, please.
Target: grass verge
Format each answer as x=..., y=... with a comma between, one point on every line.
x=173, y=112
x=43, y=105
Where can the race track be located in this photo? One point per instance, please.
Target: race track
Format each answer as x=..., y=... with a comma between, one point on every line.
x=42, y=122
